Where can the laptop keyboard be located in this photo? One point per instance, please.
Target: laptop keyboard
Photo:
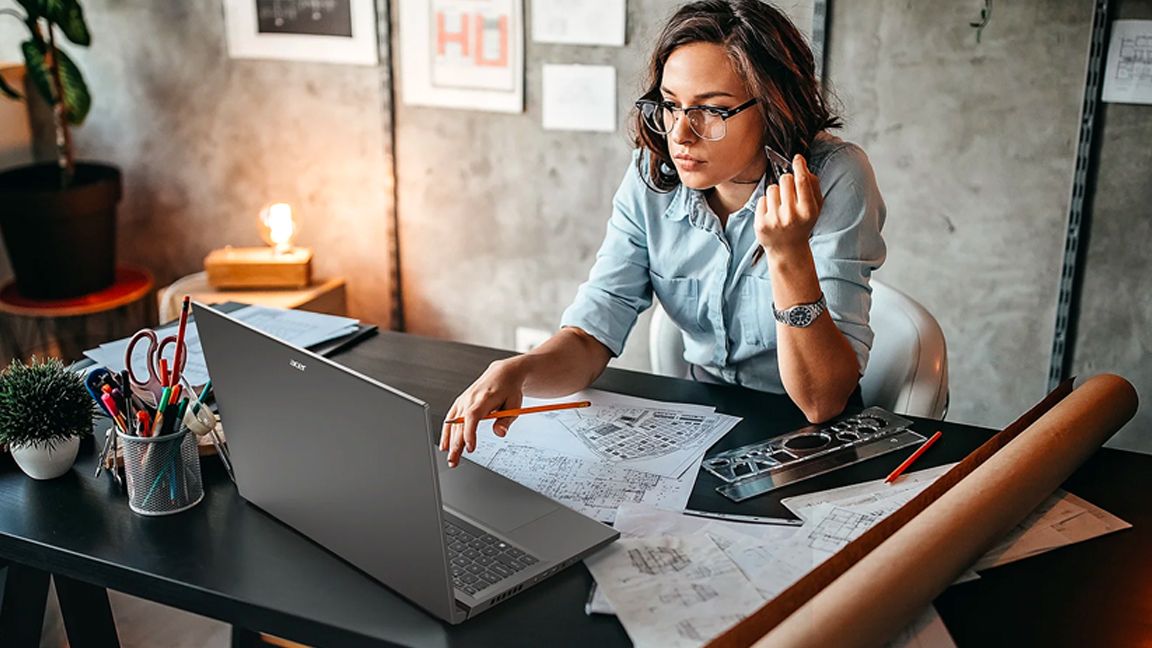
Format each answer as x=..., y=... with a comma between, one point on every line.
x=480, y=560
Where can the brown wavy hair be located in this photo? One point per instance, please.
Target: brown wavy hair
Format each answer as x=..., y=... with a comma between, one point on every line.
x=768, y=51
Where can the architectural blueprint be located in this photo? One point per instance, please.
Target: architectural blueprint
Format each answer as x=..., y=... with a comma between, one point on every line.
x=595, y=488
x=640, y=521
x=661, y=438
x=673, y=590
x=1128, y=74
x=1060, y=520
x=752, y=548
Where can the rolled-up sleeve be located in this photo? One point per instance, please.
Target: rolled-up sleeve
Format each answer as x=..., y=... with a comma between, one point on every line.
x=846, y=244
x=618, y=288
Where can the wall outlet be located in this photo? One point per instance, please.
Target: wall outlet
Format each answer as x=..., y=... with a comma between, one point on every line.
x=528, y=338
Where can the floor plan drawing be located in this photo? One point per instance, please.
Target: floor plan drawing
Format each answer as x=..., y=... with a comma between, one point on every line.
x=672, y=591
x=657, y=437
x=1128, y=70
x=840, y=527
x=657, y=560
x=623, y=434
x=596, y=489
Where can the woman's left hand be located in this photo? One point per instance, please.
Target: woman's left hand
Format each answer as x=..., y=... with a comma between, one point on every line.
x=787, y=212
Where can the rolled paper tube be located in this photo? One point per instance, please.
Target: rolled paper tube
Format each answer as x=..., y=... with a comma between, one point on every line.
x=885, y=590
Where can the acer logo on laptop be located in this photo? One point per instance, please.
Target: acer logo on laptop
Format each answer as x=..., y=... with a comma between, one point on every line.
x=297, y=365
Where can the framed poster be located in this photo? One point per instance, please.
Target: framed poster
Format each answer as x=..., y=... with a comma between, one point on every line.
x=463, y=54
x=328, y=31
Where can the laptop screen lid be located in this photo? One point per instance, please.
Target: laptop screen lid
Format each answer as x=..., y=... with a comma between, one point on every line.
x=342, y=458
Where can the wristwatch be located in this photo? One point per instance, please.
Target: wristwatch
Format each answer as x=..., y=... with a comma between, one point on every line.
x=800, y=315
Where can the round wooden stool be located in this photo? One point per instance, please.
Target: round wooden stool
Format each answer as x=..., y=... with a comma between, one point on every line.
x=64, y=328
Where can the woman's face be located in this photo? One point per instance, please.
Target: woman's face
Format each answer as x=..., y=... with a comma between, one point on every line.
x=702, y=74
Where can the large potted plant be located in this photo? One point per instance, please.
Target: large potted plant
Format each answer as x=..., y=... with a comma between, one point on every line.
x=58, y=219
x=44, y=411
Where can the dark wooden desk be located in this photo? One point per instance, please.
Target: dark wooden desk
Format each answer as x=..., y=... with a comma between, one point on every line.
x=227, y=560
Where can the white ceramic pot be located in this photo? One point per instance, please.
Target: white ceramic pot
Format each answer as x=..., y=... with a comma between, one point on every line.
x=38, y=462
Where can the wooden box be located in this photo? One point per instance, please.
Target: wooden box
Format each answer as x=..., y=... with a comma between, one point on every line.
x=259, y=267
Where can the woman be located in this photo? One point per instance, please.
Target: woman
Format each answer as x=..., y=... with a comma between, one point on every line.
x=764, y=268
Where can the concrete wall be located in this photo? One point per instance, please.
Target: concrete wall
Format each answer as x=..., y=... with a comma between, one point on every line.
x=973, y=146
x=499, y=220
x=204, y=141
x=1114, y=330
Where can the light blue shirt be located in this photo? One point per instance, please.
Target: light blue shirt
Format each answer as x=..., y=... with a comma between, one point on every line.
x=672, y=245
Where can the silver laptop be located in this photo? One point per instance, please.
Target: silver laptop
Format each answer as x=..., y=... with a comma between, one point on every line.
x=350, y=463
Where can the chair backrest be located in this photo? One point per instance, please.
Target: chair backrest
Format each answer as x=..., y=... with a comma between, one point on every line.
x=171, y=298
x=907, y=368
x=666, y=345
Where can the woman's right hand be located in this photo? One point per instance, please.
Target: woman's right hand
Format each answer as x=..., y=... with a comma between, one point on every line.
x=500, y=387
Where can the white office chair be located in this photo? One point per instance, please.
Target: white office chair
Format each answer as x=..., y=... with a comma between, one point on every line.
x=171, y=298
x=907, y=368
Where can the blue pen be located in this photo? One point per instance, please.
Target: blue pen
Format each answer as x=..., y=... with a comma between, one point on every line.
x=93, y=383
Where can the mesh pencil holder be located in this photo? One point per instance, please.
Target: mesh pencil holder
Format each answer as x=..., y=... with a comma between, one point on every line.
x=163, y=473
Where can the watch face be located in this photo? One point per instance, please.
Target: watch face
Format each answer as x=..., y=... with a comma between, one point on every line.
x=800, y=317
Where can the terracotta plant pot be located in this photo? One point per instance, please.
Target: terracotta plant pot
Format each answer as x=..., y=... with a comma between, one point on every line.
x=40, y=462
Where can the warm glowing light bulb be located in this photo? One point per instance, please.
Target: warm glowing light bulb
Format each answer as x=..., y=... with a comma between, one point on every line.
x=279, y=227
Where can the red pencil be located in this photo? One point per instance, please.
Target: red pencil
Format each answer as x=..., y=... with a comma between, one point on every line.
x=915, y=455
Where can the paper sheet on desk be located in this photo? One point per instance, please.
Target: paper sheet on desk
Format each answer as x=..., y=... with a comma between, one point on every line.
x=651, y=436
x=638, y=521
x=771, y=557
x=593, y=488
x=750, y=548
x=1062, y=519
x=673, y=590
x=301, y=328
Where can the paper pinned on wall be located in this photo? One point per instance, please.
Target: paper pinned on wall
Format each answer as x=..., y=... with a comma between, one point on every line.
x=463, y=54
x=1128, y=73
x=580, y=98
x=579, y=22
x=336, y=31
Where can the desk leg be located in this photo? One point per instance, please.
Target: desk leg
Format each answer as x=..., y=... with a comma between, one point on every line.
x=22, y=608
x=87, y=614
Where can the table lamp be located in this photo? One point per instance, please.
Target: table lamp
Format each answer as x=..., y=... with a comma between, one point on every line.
x=280, y=265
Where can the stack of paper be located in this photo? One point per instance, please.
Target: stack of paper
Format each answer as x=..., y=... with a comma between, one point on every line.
x=301, y=328
x=621, y=449
x=772, y=558
x=646, y=577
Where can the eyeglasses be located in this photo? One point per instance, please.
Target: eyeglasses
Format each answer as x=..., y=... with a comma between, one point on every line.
x=708, y=122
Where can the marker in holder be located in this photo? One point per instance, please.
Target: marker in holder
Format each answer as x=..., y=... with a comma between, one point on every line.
x=163, y=473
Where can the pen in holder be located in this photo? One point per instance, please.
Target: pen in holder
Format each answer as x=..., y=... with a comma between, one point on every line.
x=163, y=472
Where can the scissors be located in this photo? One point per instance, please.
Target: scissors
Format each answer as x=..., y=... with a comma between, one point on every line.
x=151, y=384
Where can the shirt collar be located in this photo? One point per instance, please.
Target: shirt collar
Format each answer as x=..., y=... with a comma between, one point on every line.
x=690, y=204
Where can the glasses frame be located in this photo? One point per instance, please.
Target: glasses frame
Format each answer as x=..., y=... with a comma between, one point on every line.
x=723, y=113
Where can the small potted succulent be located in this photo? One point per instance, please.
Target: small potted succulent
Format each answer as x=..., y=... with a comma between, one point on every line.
x=44, y=410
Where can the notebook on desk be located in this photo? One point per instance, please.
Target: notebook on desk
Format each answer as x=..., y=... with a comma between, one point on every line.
x=326, y=347
x=350, y=462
